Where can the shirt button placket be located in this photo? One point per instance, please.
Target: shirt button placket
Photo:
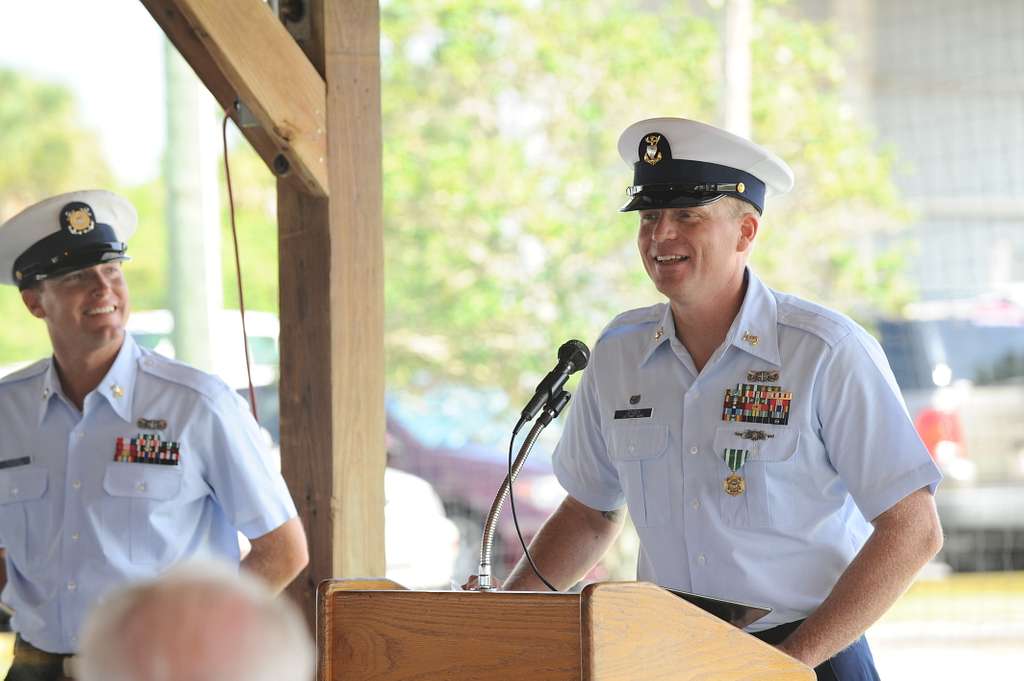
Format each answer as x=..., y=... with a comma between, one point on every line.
x=74, y=505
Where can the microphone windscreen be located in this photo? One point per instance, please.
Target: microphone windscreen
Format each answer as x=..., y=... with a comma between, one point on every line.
x=574, y=352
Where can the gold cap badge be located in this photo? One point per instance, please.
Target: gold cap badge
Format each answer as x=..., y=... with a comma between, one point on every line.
x=651, y=155
x=79, y=219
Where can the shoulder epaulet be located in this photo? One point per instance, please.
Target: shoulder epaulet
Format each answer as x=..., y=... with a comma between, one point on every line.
x=31, y=371
x=182, y=374
x=828, y=325
x=633, y=320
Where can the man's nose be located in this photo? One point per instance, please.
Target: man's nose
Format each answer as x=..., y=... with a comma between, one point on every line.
x=100, y=284
x=664, y=228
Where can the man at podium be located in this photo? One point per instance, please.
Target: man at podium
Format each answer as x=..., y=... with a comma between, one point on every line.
x=759, y=441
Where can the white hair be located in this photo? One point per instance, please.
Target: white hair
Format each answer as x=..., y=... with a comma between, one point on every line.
x=197, y=622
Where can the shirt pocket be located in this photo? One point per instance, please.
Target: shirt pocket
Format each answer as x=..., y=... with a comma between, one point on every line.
x=139, y=492
x=770, y=455
x=639, y=455
x=21, y=499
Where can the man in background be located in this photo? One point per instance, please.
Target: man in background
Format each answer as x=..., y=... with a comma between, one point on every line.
x=115, y=463
x=198, y=622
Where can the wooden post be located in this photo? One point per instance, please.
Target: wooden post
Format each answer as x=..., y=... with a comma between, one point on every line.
x=332, y=313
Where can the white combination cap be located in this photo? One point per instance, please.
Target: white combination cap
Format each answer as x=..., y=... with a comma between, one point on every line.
x=678, y=162
x=65, y=233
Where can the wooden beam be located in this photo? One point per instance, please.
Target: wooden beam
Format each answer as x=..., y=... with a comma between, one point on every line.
x=332, y=310
x=241, y=43
x=351, y=30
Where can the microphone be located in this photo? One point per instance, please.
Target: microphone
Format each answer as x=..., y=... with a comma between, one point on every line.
x=572, y=356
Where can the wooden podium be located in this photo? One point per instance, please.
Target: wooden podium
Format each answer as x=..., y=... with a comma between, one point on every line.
x=375, y=630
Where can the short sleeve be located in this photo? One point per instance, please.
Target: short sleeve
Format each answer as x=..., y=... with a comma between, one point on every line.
x=581, y=461
x=867, y=432
x=241, y=471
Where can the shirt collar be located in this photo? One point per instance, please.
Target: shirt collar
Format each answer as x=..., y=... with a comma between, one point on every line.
x=663, y=332
x=755, y=330
x=117, y=386
x=50, y=389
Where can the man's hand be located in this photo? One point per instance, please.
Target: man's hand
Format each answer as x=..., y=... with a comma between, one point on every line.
x=279, y=556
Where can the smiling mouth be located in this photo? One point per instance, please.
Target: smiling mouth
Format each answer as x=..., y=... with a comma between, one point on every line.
x=665, y=259
x=100, y=310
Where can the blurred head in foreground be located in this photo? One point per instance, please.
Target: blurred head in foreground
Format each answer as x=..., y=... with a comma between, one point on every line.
x=197, y=622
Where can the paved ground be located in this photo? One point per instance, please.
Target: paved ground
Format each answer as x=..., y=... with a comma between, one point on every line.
x=946, y=629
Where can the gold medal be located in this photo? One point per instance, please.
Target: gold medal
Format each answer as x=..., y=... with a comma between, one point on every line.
x=734, y=485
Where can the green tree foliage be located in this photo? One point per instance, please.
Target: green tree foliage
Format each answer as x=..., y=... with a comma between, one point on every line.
x=46, y=151
x=502, y=181
x=501, y=177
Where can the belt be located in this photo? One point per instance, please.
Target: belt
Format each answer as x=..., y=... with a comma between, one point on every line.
x=777, y=635
x=55, y=665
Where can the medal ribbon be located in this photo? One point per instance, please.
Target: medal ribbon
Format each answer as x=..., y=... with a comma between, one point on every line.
x=735, y=458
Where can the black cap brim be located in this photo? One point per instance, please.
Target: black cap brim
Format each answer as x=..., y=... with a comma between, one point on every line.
x=654, y=200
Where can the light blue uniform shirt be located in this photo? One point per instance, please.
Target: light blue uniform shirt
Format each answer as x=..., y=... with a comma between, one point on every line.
x=76, y=523
x=848, y=452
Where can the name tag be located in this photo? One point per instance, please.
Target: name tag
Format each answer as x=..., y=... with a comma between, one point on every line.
x=14, y=463
x=634, y=413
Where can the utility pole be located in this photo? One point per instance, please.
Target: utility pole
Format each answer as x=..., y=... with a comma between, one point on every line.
x=193, y=214
x=737, y=66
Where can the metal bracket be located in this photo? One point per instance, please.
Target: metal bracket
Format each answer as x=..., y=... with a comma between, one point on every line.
x=245, y=118
x=294, y=14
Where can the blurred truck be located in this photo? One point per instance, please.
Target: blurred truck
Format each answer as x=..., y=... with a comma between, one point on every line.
x=961, y=370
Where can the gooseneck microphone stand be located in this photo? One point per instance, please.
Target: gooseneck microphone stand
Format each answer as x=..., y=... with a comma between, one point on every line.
x=552, y=408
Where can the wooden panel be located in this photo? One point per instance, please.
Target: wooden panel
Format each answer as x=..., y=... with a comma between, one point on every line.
x=356, y=284
x=271, y=75
x=406, y=636
x=638, y=631
x=194, y=52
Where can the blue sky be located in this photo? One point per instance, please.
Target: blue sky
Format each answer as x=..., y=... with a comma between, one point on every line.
x=110, y=52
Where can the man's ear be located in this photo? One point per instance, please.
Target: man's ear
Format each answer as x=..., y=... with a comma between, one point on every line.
x=749, y=222
x=32, y=299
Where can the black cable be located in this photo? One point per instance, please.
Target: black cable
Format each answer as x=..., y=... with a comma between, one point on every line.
x=238, y=268
x=515, y=518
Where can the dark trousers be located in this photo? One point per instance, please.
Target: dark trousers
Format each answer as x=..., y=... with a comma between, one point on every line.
x=855, y=663
x=32, y=664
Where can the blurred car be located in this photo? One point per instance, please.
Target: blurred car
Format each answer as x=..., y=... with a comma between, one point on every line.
x=153, y=329
x=468, y=475
x=420, y=542
x=451, y=438
x=963, y=381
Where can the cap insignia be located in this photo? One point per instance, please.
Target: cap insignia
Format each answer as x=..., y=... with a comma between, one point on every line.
x=651, y=154
x=77, y=218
